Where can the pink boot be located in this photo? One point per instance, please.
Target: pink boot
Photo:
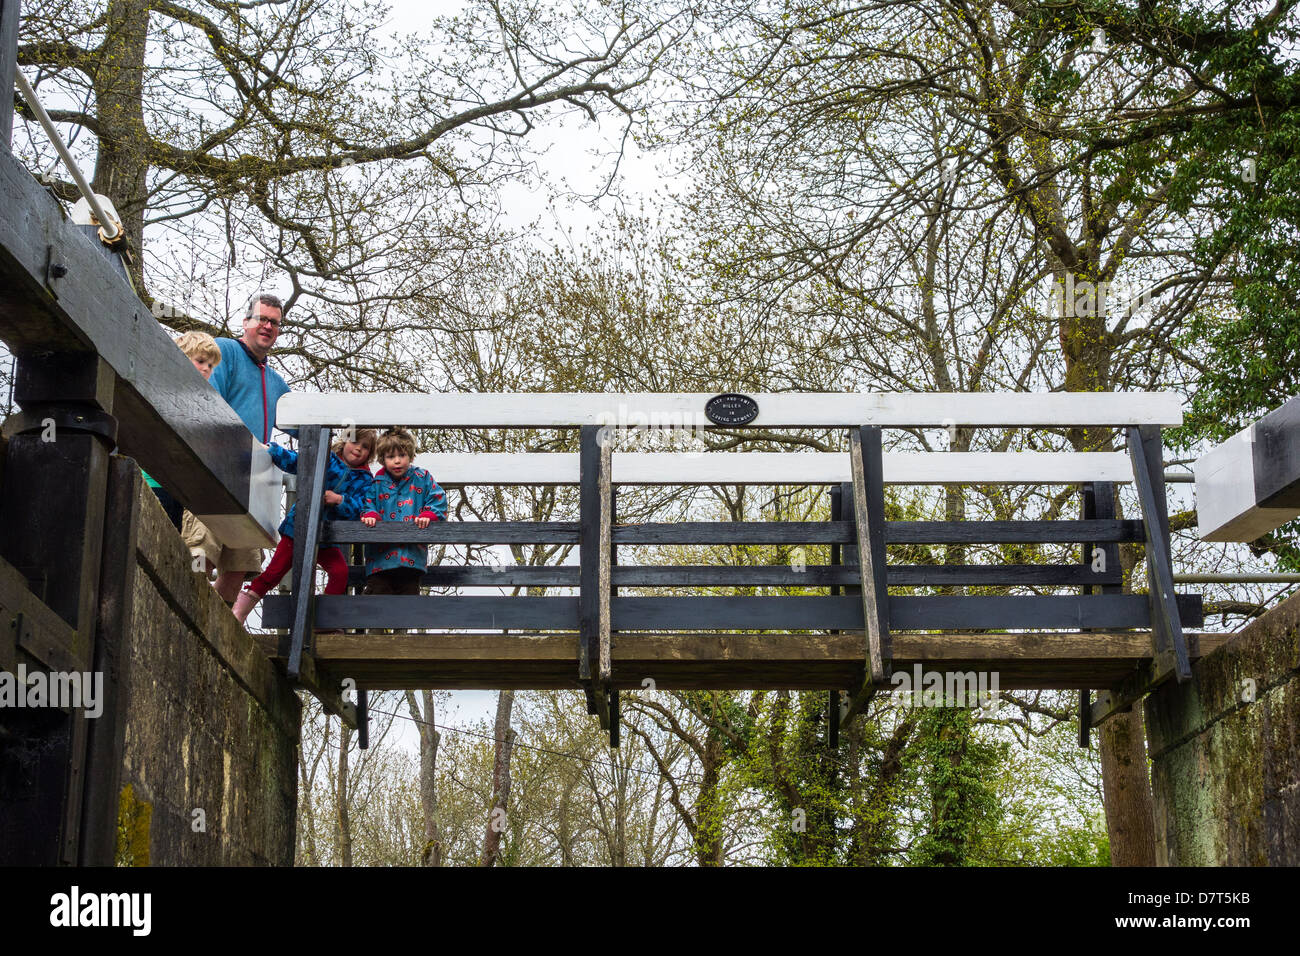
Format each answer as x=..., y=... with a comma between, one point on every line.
x=246, y=601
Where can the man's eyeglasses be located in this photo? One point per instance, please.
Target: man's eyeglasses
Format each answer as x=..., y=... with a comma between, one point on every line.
x=262, y=320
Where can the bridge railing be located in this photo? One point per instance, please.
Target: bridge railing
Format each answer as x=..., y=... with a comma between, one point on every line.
x=858, y=578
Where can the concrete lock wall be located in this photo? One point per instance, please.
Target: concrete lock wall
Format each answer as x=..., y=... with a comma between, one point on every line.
x=1225, y=751
x=210, y=758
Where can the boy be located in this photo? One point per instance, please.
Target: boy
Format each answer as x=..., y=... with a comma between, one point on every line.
x=201, y=349
x=401, y=492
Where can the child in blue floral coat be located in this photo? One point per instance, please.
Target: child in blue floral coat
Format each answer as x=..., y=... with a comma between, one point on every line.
x=347, y=483
x=401, y=492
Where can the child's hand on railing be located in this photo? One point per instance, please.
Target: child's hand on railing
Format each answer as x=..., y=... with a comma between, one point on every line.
x=369, y=521
x=422, y=522
x=332, y=498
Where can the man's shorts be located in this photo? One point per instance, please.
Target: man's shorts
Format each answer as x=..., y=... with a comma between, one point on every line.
x=200, y=541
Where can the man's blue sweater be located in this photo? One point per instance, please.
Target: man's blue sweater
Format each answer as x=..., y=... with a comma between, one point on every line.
x=251, y=388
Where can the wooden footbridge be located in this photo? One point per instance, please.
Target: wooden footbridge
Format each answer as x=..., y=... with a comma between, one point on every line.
x=846, y=633
x=98, y=380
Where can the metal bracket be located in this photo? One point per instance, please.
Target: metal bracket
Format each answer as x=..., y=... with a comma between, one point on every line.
x=82, y=419
x=54, y=271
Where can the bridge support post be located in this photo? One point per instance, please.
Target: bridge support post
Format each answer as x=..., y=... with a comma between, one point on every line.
x=868, y=490
x=313, y=453
x=52, y=531
x=1170, y=649
x=1097, y=501
x=595, y=544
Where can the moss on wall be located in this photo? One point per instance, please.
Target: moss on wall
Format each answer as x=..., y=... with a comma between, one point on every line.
x=1225, y=751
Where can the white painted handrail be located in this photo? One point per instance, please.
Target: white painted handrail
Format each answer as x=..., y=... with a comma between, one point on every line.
x=780, y=468
x=106, y=223
x=686, y=410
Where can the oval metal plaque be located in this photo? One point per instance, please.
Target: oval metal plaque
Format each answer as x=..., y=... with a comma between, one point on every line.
x=731, y=408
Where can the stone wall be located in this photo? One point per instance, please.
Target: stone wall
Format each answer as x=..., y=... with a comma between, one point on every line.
x=211, y=726
x=1225, y=751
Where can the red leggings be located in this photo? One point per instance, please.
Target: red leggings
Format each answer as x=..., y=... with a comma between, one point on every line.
x=331, y=559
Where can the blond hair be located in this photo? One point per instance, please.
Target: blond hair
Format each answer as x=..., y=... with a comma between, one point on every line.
x=364, y=436
x=200, y=345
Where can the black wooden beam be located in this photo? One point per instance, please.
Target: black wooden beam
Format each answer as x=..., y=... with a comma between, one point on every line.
x=934, y=612
x=1170, y=649
x=363, y=719
x=730, y=576
x=589, y=543
x=313, y=452
x=56, y=472
x=169, y=419
x=8, y=64
x=1101, y=562
x=865, y=457
x=107, y=733
x=738, y=532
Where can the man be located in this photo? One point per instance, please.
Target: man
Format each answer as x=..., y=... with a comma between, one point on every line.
x=252, y=388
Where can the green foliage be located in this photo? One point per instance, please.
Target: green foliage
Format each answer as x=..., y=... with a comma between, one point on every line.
x=964, y=805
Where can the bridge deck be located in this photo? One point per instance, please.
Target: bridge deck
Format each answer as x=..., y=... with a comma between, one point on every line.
x=693, y=660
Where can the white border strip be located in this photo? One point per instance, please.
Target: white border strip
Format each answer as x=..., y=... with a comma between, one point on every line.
x=780, y=468
x=686, y=410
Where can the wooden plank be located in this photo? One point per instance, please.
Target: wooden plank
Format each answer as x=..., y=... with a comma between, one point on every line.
x=1010, y=532
x=604, y=591
x=731, y=661
x=589, y=560
x=313, y=453
x=1098, y=502
x=370, y=612
x=32, y=627
x=1166, y=628
x=686, y=410
x=338, y=649
x=735, y=532
x=932, y=612
x=363, y=720
x=869, y=519
x=169, y=419
x=455, y=470
x=8, y=63
x=813, y=575
x=454, y=532
x=106, y=734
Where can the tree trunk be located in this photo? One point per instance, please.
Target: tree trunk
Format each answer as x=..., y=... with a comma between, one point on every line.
x=1130, y=816
x=121, y=172
x=343, y=836
x=505, y=736
x=1089, y=347
x=431, y=852
x=708, y=805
